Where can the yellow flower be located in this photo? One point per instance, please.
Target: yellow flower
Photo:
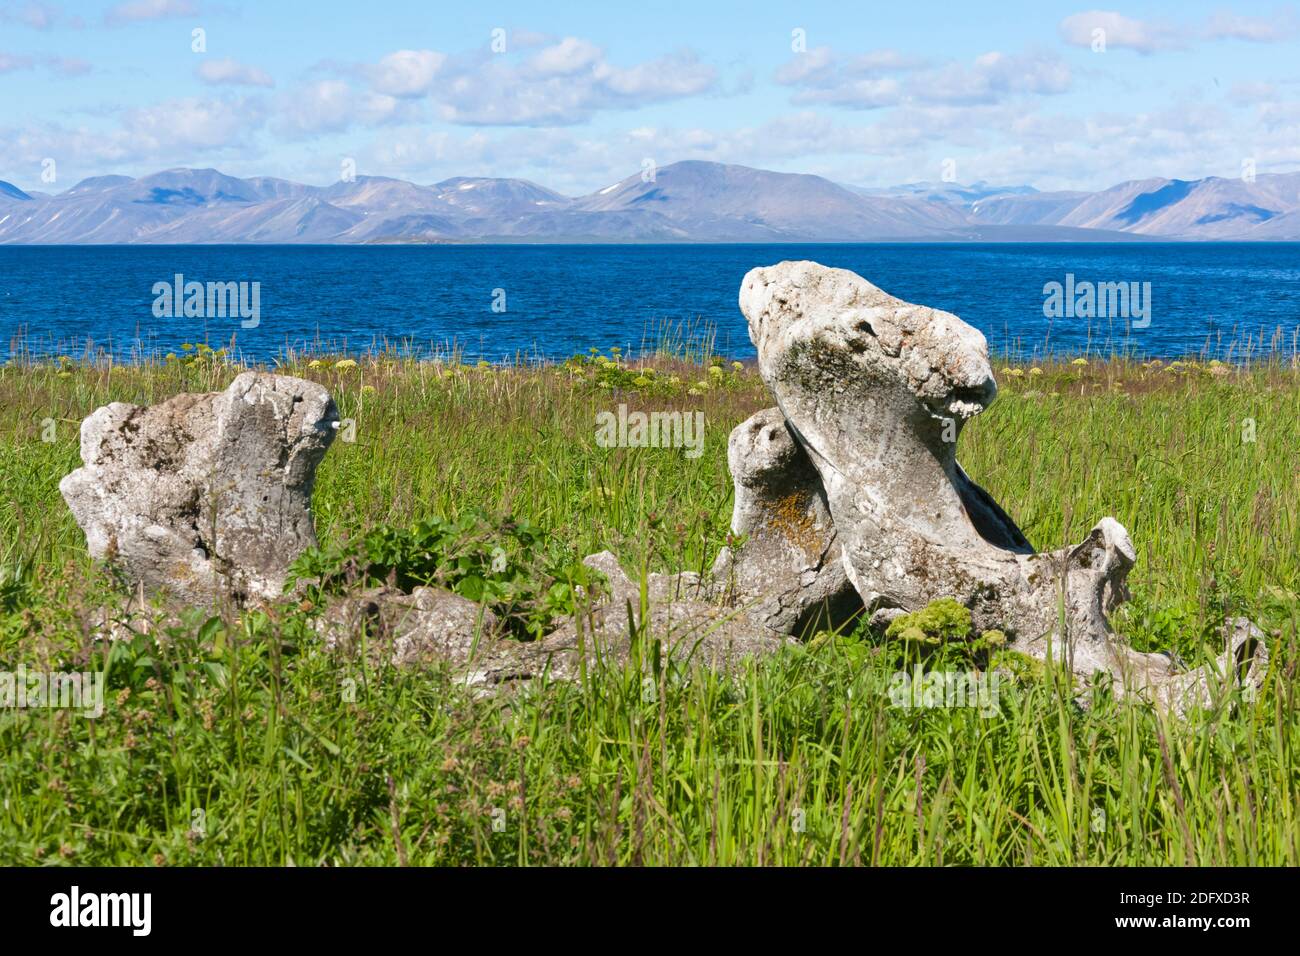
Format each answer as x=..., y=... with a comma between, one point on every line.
x=1080, y=361
x=345, y=364
x=367, y=390
x=315, y=363
x=1017, y=373
x=738, y=366
x=1006, y=370
x=1035, y=371
x=715, y=370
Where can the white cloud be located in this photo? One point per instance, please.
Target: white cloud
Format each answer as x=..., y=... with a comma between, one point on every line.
x=864, y=82
x=855, y=94
x=1119, y=31
x=191, y=122
x=554, y=83
x=38, y=16
x=64, y=66
x=171, y=133
x=68, y=66
x=333, y=106
x=1275, y=29
x=10, y=62
x=230, y=72
x=1252, y=93
x=809, y=67
x=992, y=77
x=820, y=68
x=406, y=72
x=137, y=11
x=571, y=55
x=680, y=74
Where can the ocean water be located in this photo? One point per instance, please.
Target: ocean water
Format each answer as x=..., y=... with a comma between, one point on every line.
x=551, y=301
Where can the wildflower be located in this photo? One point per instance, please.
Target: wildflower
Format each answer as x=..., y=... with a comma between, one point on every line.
x=315, y=363
x=345, y=364
x=1080, y=361
x=715, y=370
x=367, y=390
x=1035, y=371
x=994, y=638
x=702, y=385
x=187, y=347
x=640, y=381
x=738, y=366
x=693, y=391
x=1017, y=373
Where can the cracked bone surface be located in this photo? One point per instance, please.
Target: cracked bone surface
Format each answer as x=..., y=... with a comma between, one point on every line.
x=877, y=390
x=788, y=572
x=208, y=494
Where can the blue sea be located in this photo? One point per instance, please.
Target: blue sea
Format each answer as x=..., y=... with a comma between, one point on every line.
x=500, y=302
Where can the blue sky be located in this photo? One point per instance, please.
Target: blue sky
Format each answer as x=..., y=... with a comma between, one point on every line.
x=583, y=93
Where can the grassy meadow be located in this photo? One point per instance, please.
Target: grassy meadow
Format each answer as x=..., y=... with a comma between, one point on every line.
x=231, y=742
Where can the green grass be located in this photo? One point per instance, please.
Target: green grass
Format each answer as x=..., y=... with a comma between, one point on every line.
x=233, y=742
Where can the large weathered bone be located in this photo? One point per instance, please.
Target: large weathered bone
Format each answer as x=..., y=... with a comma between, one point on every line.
x=787, y=573
x=204, y=495
x=690, y=629
x=877, y=391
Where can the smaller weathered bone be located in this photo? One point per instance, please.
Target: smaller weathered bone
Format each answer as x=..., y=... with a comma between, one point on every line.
x=204, y=496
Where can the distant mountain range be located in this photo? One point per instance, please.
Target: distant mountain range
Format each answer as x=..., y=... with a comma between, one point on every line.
x=684, y=202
